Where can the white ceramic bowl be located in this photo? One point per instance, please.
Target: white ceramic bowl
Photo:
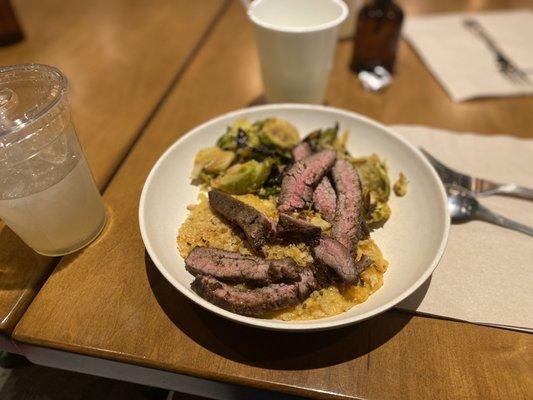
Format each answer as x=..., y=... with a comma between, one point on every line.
x=413, y=240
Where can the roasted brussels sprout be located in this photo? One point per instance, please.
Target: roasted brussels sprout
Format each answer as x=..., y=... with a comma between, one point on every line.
x=279, y=133
x=248, y=149
x=275, y=177
x=233, y=137
x=322, y=138
x=376, y=211
x=263, y=152
x=400, y=187
x=374, y=176
x=243, y=178
x=376, y=187
x=272, y=184
x=211, y=160
x=328, y=136
x=269, y=191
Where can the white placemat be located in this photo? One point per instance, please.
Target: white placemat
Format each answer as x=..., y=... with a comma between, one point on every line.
x=486, y=273
x=462, y=62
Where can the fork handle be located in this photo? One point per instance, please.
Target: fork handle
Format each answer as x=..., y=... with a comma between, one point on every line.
x=478, y=29
x=510, y=190
x=485, y=214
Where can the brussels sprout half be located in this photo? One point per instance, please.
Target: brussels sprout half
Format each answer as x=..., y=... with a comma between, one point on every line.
x=243, y=178
x=212, y=160
x=277, y=132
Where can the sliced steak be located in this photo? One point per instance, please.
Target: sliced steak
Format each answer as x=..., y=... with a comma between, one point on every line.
x=301, y=151
x=325, y=199
x=296, y=229
x=254, y=302
x=257, y=227
x=324, y=275
x=239, y=268
x=336, y=256
x=301, y=179
x=348, y=225
x=307, y=283
x=363, y=263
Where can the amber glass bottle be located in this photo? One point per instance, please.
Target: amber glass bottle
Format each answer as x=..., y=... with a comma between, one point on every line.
x=376, y=38
x=10, y=31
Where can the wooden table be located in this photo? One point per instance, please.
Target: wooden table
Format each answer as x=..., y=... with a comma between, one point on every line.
x=107, y=310
x=118, y=74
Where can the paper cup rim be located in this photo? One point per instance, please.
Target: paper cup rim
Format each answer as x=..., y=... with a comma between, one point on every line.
x=303, y=29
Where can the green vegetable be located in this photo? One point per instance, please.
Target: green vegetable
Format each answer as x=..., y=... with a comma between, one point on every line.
x=374, y=176
x=211, y=160
x=243, y=178
x=400, y=187
x=376, y=211
x=279, y=133
x=253, y=138
x=321, y=139
x=376, y=187
x=229, y=140
x=328, y=136
x=269, y=191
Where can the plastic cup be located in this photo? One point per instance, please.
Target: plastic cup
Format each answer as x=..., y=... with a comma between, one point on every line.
x=47, y=193
x=296, y=41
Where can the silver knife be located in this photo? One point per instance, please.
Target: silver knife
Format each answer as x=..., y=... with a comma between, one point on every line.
x=479, y=186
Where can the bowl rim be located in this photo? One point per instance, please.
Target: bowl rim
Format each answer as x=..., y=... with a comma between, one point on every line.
x=310, y=325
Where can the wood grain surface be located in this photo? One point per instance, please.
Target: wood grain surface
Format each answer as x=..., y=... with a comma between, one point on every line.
x=120, y=57
x=110, y=301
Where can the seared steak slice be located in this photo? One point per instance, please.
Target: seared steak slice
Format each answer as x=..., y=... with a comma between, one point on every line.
x=348, y=226
x=301, y=151
x=301, y=179
x=325, y=199
x=307, y=283
x=363, y=263
x=256, y=226
x=324, y=275
x=255, y=302
x=337, y=257
x=239, y=268
x=296, y=229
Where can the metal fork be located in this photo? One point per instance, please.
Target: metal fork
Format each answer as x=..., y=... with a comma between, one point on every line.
x=480, y=187
x=505, y=65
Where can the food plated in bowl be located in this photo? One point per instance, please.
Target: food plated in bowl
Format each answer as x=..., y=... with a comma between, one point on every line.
x=260, y=247
x=283, y=231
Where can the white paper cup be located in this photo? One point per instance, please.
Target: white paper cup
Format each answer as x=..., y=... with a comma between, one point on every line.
x=296, y=41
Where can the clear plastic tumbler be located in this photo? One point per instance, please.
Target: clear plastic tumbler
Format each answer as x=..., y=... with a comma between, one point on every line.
x=47, y=193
